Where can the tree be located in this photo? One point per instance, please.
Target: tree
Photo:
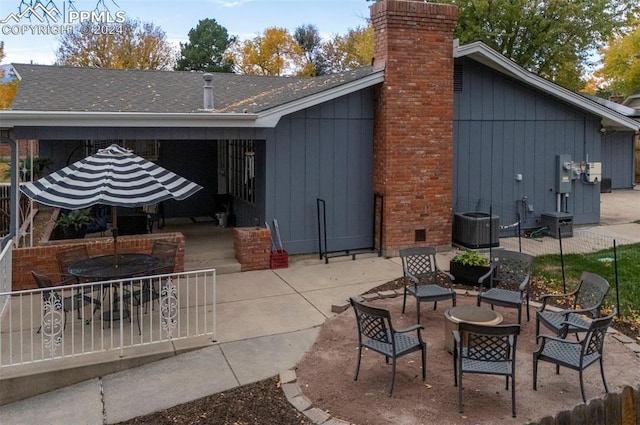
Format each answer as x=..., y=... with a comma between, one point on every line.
x=308, y=37
x=554, y=39
x=205, y=50
x=7, y=88
x=275, y=52
x=353, y=50
x=621, y=63
x=130, y=45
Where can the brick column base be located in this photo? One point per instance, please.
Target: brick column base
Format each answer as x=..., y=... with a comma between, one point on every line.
x=253, y=247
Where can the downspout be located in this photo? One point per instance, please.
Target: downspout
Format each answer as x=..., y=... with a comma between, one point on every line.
x=15, y=192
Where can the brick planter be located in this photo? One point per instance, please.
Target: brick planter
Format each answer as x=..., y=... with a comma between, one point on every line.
x=253, y=247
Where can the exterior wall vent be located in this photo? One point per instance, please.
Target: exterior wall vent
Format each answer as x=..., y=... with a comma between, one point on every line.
x=457, y=77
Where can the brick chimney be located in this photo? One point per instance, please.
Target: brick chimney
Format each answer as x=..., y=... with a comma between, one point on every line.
x=413, y=134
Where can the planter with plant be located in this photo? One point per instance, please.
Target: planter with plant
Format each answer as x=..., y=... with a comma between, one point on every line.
x=468, y=266
x=73, y=224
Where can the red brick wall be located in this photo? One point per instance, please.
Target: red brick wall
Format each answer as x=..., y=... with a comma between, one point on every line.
x=413, y=133
x=43, y=258
x=253, y=247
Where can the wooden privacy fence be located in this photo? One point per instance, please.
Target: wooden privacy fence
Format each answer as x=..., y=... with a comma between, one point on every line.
x=614, y=409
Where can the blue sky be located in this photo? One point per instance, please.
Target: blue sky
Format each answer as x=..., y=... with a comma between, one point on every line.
x=244, y=18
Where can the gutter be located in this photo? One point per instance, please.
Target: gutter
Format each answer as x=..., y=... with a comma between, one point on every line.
x=12, y=118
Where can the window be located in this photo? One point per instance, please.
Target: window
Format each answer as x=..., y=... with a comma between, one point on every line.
x=241, y=170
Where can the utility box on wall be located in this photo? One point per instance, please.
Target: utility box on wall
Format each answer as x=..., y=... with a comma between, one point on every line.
x=558, y=224
x=476, y=230
x=594, y=172
x=563, y=173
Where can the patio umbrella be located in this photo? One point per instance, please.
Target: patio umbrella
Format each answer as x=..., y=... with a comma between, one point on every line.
x=113, y=176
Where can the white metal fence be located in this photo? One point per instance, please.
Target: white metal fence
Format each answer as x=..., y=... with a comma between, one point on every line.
x=65, y=321
x=6, y=259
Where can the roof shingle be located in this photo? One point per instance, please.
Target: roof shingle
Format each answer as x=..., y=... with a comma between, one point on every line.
x=56, y=88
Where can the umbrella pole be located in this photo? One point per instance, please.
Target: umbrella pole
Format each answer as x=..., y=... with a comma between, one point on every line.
x=114, y=230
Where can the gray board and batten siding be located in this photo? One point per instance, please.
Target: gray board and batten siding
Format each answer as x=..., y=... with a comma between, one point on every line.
x=325, y=151
x=618, y=158
x=502, y=129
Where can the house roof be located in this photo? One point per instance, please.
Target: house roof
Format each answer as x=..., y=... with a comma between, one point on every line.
x=613, y=118
x=53, y=93
x=633, y=101
x=87, y=97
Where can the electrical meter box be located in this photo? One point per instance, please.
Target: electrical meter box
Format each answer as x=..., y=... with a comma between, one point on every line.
x=563, y=173
x=594, y=172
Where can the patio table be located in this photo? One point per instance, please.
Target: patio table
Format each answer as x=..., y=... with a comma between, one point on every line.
x=103, y=268
x=469, y=314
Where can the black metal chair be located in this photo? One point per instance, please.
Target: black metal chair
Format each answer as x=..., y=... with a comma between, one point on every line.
x=488, y=350
x=509, y=281
x=424, y=279
x=66, y=258
x=150, y=288
x=155, y=214
x=376, y=333
x=585, y=301
x=576, y=355
x=166, y=251
x=54, y=299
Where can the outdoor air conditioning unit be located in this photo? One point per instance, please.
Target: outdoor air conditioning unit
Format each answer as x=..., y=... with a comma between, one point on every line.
x=476, y=230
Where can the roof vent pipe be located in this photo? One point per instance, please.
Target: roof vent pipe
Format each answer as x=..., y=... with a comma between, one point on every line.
x=208, y=91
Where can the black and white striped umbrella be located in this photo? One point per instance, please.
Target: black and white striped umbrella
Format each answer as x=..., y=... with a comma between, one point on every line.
x=113, y=176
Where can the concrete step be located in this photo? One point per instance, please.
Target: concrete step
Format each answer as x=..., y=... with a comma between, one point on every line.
x=213, y=254
x=222, y=266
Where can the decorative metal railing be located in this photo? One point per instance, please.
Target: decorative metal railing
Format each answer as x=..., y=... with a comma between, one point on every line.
x=6, y=257
x=65, y=321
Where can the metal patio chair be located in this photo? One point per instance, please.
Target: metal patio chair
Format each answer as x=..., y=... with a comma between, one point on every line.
x=166, y=251
x=66, y=258
x=488, y=350
x=509, y=278
x=155, y=214
x=575, y=355
x=424, y=279
x=54, y=299
x=376, y=333
x=585, y=301
x=150, y=289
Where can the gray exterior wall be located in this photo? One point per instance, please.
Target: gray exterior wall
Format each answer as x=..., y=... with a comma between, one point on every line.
x=617, y=159
x=503, y=128
x=323, y=152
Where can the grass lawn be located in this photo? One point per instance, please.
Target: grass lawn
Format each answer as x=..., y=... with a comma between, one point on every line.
x=549, y=269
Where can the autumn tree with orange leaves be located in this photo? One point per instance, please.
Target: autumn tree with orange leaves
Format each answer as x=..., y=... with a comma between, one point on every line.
x=7, y=89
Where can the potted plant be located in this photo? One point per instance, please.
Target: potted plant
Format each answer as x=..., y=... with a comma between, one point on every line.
x=74, y=223
x=468, y=266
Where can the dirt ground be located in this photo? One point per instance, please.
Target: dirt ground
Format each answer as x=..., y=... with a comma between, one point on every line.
x=325, y=375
